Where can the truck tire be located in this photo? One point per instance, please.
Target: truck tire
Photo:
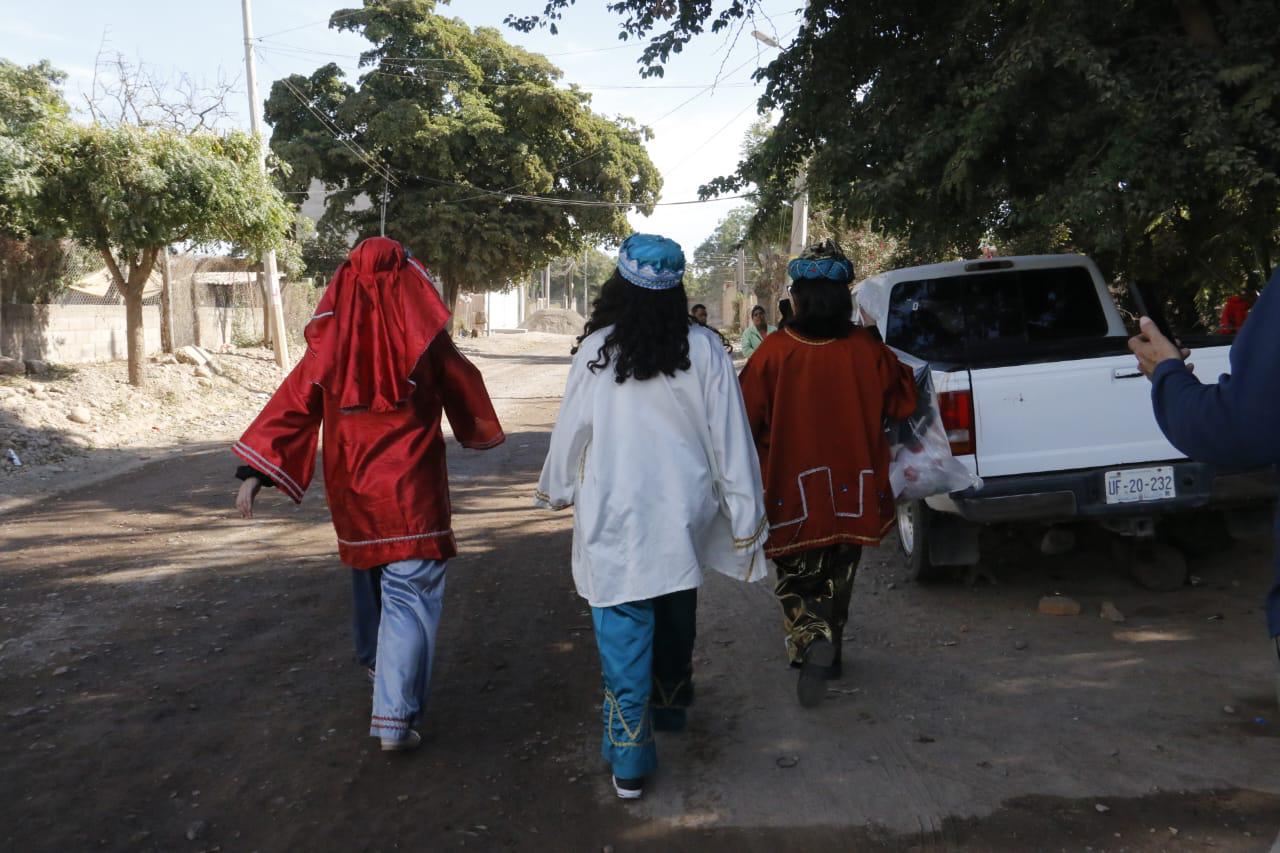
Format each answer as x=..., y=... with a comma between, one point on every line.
x=915, y=525
x=1153, y=565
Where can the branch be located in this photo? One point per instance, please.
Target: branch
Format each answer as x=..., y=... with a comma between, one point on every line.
x=105, y=250
x=1197, y=23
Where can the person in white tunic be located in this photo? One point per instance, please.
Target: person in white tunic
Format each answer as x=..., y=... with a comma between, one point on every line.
x=653, y=450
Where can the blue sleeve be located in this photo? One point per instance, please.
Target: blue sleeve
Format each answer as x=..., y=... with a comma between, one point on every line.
x=1236, y=422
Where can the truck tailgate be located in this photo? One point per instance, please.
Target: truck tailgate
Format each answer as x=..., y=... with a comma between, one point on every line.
x=1068, y=415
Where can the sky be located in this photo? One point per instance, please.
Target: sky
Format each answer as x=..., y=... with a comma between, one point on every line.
x=698, y=130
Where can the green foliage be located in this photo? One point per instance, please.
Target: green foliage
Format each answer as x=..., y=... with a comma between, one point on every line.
x=134, y=191
x=710, y=266
x=31, y=107
x=324, y=252
x=35, y=270
x=451, y=109
x=1145, y=134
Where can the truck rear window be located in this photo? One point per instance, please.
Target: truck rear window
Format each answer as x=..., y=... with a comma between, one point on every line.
x=954, y=318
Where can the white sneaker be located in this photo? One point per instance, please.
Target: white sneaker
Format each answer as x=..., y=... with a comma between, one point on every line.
x=411, y=740
x=628, y=789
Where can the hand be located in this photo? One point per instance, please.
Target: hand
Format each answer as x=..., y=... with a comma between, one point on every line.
x=248, y=492
x=1152, y=348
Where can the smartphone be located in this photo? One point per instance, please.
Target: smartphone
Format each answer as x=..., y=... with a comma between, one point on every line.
x=1150, y=308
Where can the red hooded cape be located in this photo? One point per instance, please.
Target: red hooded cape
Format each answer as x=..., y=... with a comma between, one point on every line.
x=378, y=372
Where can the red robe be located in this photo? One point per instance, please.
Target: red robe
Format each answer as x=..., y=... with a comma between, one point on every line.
x=379, y=396
x=817, y=411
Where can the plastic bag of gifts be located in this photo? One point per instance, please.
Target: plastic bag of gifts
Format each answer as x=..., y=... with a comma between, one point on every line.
x=920, y=460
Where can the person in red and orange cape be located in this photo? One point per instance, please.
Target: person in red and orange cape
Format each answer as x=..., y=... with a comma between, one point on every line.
x=817, y=395
x=378, y=370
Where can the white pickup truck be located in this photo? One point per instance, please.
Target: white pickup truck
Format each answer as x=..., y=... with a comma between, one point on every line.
x=1042, y=399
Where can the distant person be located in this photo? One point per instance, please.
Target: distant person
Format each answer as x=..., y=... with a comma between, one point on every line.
x=1234, y=313
x=784, y=313
x=652, y=450
x=817, y=395
x=699, y=314
x=756, y=332
x=1235, y=423
x=379, y=368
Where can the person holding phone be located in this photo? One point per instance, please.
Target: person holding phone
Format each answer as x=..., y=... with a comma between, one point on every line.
x=1235, y=422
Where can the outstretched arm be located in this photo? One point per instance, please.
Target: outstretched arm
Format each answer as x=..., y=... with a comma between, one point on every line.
x=561, y=472
x=735, y=454
x=1235, y=422
x=281, y=442
x=462, y=393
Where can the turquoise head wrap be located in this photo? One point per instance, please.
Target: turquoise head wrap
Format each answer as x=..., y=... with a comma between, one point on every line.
x=651, y=261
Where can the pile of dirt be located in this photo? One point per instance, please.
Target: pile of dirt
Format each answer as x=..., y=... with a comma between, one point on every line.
x=54, y=422
x=555, y=321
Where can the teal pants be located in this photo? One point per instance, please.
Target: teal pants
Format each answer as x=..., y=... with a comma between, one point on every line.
x=646, y=659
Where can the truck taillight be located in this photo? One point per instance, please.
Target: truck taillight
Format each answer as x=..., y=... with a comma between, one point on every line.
x=956, y=408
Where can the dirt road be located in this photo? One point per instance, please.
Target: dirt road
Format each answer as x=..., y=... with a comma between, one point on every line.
x=174, y=678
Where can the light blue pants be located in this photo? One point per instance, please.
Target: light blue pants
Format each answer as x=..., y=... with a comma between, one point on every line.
x=624, y=635
x=412, y=598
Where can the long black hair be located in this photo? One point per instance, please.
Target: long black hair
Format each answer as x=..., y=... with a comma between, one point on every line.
x=650, y=332
x=824, y=307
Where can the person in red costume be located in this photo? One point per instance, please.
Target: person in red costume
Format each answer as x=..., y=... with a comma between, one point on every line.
x=1234, y=313
x=378, y=371
x=817, y=395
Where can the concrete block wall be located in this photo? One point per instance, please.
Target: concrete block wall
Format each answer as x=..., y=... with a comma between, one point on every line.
x=72, y=333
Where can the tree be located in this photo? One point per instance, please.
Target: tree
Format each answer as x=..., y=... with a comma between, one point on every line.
x=460, y=128
x=129, y=192
x=153, y=176
x=1146, y=134
x=30, y=108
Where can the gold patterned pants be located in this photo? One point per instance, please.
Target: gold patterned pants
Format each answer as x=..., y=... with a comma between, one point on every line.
x=814, y=588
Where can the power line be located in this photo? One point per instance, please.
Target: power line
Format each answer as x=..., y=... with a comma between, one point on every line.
x=297, y=48
x=327, y=21
x=337, y=132
x=444, y=78
x=414, y=72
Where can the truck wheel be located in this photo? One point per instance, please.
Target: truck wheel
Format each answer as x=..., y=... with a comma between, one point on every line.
x=1153, y=565
x=915, y=523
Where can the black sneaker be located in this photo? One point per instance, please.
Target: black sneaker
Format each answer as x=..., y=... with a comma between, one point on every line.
x=628, y=789
x=812, y=686
x=835, y=671
x=669, y=719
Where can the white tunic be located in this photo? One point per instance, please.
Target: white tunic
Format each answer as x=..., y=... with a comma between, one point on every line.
x=663, y=474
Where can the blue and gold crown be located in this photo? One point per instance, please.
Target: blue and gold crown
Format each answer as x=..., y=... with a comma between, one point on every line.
x=651, y=261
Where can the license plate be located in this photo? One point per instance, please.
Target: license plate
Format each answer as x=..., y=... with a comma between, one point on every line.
x=1139, y=485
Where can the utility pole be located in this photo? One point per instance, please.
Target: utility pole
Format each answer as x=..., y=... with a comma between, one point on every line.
x=800, y=214
x=546, y=287
x=586, y=297
x=278, y=339
x=800, y=202
x=383, y=227
x=166, y=303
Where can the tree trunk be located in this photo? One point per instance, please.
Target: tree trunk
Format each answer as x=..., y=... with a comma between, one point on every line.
x=131, y=288
x=1197, y=23
x=135, y=335
x=450, y=297
x=266, y=307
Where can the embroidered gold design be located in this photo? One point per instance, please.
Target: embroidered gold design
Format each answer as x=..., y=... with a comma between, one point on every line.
x=545, y=498
x=821, y=343
x=633, y=736
x=793, y=547
x=754, y=538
